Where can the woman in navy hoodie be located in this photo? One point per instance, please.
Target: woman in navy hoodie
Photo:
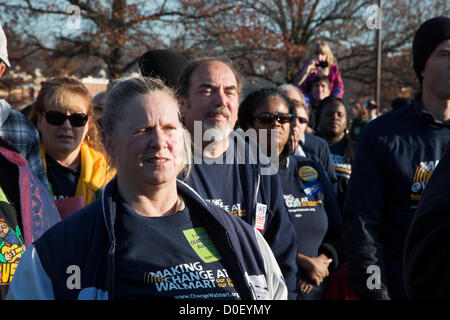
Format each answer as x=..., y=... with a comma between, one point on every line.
x=150, y=236
x=308, y=194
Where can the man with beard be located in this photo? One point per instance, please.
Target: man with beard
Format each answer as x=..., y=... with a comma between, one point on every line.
x=227, y=171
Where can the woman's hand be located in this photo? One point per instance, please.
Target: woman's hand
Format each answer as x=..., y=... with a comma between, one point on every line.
x=312, y=66
x=314, y=269
x=305, y=287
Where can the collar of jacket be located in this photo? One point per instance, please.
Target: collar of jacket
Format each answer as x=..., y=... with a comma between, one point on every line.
x=419, y=109
x=215, y=227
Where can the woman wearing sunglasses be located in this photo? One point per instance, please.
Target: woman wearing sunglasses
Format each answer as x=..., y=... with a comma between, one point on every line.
x=70, y=144
x=308, y=194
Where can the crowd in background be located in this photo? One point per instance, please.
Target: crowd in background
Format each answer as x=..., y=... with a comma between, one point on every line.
x=288, y=192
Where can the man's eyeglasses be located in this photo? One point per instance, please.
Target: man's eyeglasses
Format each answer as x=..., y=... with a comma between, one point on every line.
x=57, y=118
x=268, y=118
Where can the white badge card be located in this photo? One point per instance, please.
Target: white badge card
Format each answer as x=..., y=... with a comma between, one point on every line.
x=260, y=216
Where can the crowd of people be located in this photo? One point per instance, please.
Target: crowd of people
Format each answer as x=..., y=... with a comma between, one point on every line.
x=172, y=185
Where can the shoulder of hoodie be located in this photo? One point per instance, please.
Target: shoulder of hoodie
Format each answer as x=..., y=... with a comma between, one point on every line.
x=74, y=233
x=393, y=122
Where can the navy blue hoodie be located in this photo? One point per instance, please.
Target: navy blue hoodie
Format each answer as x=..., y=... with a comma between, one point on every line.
x=86, y=242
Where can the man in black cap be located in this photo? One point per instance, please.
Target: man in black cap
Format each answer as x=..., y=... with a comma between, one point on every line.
x=395, y=157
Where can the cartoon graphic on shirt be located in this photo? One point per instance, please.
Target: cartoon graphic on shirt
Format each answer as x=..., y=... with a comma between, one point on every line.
x=421, y=176
x=11, y=250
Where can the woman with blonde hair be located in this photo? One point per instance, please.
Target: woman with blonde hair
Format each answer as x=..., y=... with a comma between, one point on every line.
x=150, y=236
x=70, y=143
x=321, y=61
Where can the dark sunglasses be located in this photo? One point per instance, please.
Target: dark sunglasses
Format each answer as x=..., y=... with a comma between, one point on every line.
x=302, y=120
x=267, y=117
x=57, y=118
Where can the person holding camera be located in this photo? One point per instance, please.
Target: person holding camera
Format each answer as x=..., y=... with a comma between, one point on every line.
x=321, y=62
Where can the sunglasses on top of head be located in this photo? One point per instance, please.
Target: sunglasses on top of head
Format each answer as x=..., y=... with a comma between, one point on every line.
x=57, y=118
x=267, y=117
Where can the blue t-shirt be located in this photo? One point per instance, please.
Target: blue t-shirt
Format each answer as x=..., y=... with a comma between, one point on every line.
x=239, y=181
x=308, y=195
x=342, y=167
x=311, y=202
x=168, y=257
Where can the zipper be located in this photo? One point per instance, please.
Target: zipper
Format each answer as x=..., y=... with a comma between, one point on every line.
x=110, y=263
x=249, y=287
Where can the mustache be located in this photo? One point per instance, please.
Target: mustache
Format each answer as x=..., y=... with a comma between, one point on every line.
x=219, y=110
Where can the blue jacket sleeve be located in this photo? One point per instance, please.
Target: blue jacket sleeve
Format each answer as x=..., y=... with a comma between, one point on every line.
x=30, y=281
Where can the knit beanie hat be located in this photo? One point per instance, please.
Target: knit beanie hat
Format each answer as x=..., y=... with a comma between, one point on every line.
x=164, y=64
x=429, y=35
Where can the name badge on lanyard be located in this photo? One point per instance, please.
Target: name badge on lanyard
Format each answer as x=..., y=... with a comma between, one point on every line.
x=260, y=216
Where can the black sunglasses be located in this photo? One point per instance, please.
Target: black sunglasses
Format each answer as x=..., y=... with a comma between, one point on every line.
x=267, y=117
x=302, y=120
x=57, y=118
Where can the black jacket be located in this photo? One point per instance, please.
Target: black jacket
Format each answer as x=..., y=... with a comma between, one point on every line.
x=427, y=250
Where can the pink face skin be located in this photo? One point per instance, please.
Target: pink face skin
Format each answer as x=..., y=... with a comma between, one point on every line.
x=64, y=141
x=148, y=146
x=436, y=73
x=212, y=98
x=320, y=90
x=281, y=136
x=297, y=127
